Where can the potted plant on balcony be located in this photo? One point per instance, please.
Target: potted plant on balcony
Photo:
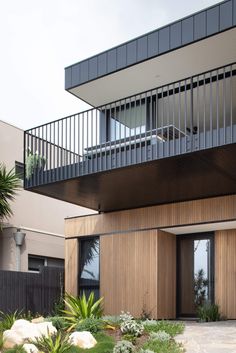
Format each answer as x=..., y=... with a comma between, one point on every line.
x=34, y=162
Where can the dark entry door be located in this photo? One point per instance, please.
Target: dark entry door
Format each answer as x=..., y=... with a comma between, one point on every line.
x=195, y=277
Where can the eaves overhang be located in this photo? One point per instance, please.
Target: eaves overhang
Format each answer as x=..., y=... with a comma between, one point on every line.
x=183, y=48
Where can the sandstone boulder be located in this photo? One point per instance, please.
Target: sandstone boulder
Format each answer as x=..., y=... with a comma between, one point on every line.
x=23, y=330
x=30, y=348
x=83, y=339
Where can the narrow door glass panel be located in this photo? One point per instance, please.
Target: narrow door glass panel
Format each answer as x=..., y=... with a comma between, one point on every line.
x=195, y=275
x=202, y=272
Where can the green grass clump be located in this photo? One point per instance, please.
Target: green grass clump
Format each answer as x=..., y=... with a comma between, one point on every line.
x=163, y=346
x=105, y=344
x=172, y=328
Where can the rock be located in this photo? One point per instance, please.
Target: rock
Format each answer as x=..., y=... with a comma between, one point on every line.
x=45, y=328
x=30, y=348
x=38, y=320
x=11, y=338
x=23, y=330
x=83, y=339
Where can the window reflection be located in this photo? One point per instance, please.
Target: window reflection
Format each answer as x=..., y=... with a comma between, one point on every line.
x=201, y=271
x=89, y=265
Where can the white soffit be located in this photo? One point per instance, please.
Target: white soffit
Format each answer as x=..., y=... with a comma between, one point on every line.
x=193, y=59
x=201, y=228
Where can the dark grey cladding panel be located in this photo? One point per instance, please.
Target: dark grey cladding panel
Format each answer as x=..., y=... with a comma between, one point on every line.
x=68, y=71
x=121, y=56
x=226, y=19
x=142, y=50
x=213, y=20
x=131, y=52
x=75, y=75
x=93, y=68
x=234, y=13
x=187, y=30
x=192, y=28
x=84, y=71
x=164, y=39
x=111, y=60
x=102, y=64
x=175, y=35
x=199, y=25
x=153, y=44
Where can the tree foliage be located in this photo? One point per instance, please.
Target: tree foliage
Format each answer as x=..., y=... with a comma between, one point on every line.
x=9, y=184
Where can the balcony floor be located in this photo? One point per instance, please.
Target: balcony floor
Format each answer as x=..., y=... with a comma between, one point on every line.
x=195, y=175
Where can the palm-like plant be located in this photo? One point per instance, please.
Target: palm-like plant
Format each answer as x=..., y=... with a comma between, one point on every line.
x=81, y=308
x=9, y=184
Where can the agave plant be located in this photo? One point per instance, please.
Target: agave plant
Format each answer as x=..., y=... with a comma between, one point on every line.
x=57, y=343
x=80, y=308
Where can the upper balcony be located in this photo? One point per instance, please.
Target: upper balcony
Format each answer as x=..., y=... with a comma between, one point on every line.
x=171, y=143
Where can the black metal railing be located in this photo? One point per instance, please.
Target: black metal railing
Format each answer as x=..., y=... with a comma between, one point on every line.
x=195, y=113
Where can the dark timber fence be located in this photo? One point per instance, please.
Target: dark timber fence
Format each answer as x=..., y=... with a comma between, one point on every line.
x=35, y=292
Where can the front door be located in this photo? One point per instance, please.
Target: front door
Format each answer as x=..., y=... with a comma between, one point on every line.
x=195, y=275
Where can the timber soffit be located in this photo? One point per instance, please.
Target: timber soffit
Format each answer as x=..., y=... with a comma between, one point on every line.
x=198, y=26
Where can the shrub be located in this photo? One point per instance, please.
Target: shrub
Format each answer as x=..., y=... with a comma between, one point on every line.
x=80, y=308
x=132, y=327
x=123, y=347
x=7, y=320
x=162, y=346
x=130, y=338
x=209, y=312
x=57, y=343
x=92, y=325
x=58, y=321
x=160, y=336
x=172, y=328
x=125, y=316
x=145, y=351
x=111, y=320
x=16, y=349
x=1, y=340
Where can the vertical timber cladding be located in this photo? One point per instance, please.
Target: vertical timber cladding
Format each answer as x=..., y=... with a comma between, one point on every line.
x=71, y=265
x=225, y=272
x=138, y=273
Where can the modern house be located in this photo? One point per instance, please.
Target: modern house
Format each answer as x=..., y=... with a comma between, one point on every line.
x=40, y=218
x=156, y=157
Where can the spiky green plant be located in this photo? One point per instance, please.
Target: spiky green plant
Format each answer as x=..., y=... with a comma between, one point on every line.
x=9, y=184
x=8, y=319
x=80, y=308
x=57, y=343
x=16, y=349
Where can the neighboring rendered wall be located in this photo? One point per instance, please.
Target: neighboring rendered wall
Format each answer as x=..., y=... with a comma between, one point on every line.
x=225, y=272
x=32, y=211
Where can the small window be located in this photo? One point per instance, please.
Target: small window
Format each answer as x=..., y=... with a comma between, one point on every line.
x=35, y=263
x=19, y=169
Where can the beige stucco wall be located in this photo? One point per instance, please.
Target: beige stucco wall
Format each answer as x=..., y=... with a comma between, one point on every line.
x=40, y=217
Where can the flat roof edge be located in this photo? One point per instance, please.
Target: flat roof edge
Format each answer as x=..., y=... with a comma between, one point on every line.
x=198, y=26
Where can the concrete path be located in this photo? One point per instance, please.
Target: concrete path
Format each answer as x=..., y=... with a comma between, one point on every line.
x=213, y=337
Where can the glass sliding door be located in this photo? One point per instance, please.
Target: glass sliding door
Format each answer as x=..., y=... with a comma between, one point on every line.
x=195, y=276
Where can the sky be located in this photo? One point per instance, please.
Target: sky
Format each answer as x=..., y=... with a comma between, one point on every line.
x=39, y=38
